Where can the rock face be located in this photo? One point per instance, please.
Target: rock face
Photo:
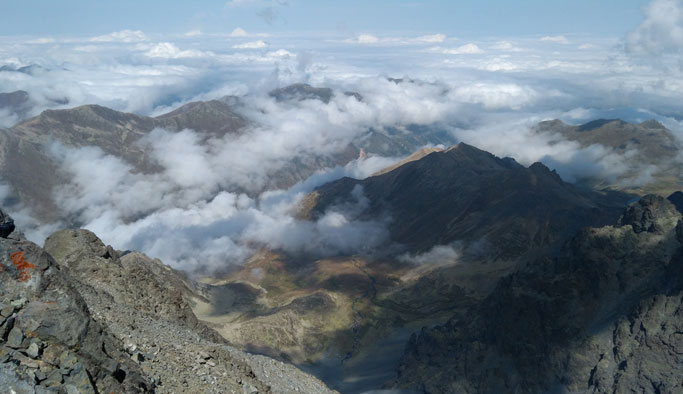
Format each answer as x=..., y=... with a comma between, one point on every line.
x=456, y=195
x=147, y=305
x=605, y=316
x=96, y=320
x=49, y=340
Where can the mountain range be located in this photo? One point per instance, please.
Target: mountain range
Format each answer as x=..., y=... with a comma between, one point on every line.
x=309, y=310
x=509, y=278
x=26, y=146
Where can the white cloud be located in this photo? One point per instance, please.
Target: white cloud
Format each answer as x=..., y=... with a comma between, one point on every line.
x=193, y=33
x=660, y=32
x=496, y=96
x=517, y=138
x=555, y=39
x=42, y=40
x=280, y=53
x=437, y=255
x=8, y=118
x=189, y=224
x=434, y=38
x=169, y=50
x=506, y=46
x=122, y=36
x=497, y=64
x=238, y=3
x=238, y=32
x=365, y=39
x=252, y=45
x=467, y=49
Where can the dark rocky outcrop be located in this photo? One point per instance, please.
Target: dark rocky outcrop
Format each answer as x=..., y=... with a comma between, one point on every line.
x=644, y=214
x=148, y=306
x=676, y=199
x=95, y=320
x=48, y=339
x=6, y=225
x=605, y=316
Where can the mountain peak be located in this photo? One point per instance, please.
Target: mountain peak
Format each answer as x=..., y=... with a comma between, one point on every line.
x=444, y=195
x=197, y=106
x=417, y=155
x=87, y=115
x=553, y=123
x=214, y=116
x=652, y=124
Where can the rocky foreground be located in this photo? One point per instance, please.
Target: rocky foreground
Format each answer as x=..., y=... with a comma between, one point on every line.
x=81, y=317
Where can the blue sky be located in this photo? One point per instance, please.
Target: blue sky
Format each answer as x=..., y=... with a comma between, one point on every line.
x=463, y=18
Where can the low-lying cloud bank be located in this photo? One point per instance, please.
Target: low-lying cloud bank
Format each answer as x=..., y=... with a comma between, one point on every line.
x=185, y=216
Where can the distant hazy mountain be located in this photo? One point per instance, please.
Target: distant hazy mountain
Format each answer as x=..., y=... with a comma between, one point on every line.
x=15, y=102
x=654, y=145
x=26, y=165
x=23, y=147
x=31, y=69
x=302, y=91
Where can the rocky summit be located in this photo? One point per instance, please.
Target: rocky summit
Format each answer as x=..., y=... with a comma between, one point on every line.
x=81, y=317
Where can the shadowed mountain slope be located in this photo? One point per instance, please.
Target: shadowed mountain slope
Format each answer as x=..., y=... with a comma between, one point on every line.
x=605, y=316
x=466, y=194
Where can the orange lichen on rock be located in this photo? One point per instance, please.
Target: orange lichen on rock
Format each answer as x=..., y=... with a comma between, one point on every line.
x=23, y=266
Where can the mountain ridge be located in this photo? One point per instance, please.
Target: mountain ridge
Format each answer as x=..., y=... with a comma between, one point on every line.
x=600, y=317
x=423, y=193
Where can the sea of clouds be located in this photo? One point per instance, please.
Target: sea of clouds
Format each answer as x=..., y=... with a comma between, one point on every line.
x=210, y=205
